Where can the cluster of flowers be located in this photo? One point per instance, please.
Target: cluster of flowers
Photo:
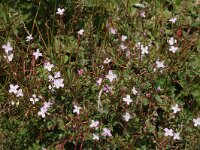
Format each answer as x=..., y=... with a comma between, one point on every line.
x=14, y=89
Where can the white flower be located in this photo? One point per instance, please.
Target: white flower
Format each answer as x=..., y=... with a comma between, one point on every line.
x=80, y=32
x=160, y=64
x=29, y=37
x=48, y=66
x=142, y=14
x=123, y=47
x=99, y=81
x=106, y=132
x=76, y=109
x=111, y=76
x=196, y=122
x=138, y=45
x=176, y=136
x=106, y=61
x=34, y=99
x=173, y=49
x=128, y=100
x=19, y=93
x=168, y=132
x=13, y=88
x=10, y=57
x=44, y=109
x=144, y=49
x=127, y=116
x=95, y=137
x=37, y=54
x=123, y=38
x=60, y=11
x=175, y=108
x=8, y=48
x=94, y=124
x=57, y=74
x=57, y=83
x=134, y=91
x=173, y=20
x=172, y=41
x=112, y=30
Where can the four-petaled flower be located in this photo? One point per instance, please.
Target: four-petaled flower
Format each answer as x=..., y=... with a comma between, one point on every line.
x=94, y=124
x=106, y=61
x=134, y=91
x=123, y=47
x=29, y=37
x=127, y=116
x=34, y=99
x=168, y=132
x=173, y=20
x=111, y=76
x=175, y=108
x=95, y=136
x=8, y=48
x=128, y=99
x=106, y=132
x=13, y=88
x=196, y=122
x=176, y=136
x=160, y=64
x=60, y=11
x=48, y=66
x=76, y=109
x=172, y=41
x=144, y=49
x=37, y=54
x=173, y=49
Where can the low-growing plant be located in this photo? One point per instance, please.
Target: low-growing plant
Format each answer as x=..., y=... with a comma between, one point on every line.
x=100, y=74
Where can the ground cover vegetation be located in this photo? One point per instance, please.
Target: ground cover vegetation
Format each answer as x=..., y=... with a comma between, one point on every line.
x=99, y=74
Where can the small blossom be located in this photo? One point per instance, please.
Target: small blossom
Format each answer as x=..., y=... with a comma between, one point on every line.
x=57, y=83
x=80, y=71
x=99, y=81
x=76, y=109
x=142, y=14
x=128, y=100
x=196, y=122
x=13, y=88
x=168, y=132
x=106, y=132
x=111, y=76
x=48, y=66
x=144, y=49
x=138, y=45
x=10, y=57
x=173, y=20
x=8, y=48
x=57, y=75
x=176, y=136
x=29, y=37
x=127, y=116
x=106, y=61
x=34, y=99
x=94, y=124
x=160, y=64
x=175, y=108
x=134, y=91
x=173, y=49
x=19, y=93
x=60, y=11
x=172, y=41
x=37, y=54
x=95, y=136
x=80, y=32
x=123, y=47
x=112, y=30
x=123, y=38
